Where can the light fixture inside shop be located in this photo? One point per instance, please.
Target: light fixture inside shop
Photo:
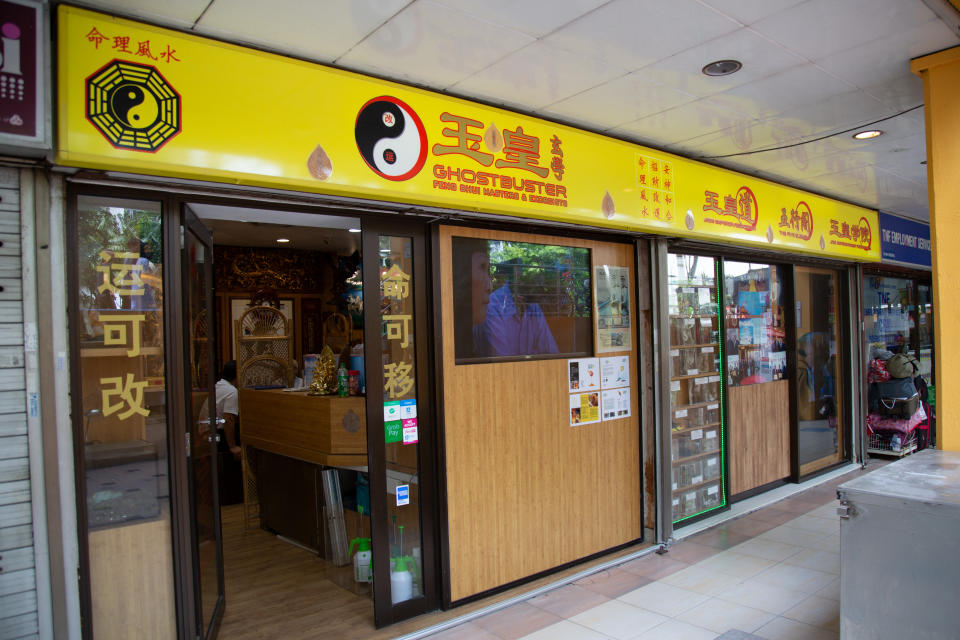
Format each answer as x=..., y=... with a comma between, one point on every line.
x=866, y=135
x=722, y=68
x=282, y=240
x=353, y=230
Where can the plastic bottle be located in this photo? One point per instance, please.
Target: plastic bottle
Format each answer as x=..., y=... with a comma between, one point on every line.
x=401, y=582
x=342, y=388
x=362, y=560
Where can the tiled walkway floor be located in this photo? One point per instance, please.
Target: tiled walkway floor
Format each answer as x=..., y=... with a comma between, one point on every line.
x=774, y=573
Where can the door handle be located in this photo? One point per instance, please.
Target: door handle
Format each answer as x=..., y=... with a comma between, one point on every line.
x=213, y=437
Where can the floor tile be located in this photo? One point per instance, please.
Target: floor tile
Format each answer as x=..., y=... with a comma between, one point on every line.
x=721, y=616
x=516, y=621
x=816, y=524
x=767, y=549
x=787, y=576
x=565, y=630
x=702, y=580
x=738, y=565
x=765, y=597
x=690, y=552
x=719, y=537
x=654, y=566
x=664, y=599
x=785, y=629
x=676, y=630
x=737, y=634
x=468, y=631
x=831, y=591
x=618, y=619
x=827, y=561
x=568, y=601
x=751, y=526
x=817, y=612
x=613, y=582
x=790, y=535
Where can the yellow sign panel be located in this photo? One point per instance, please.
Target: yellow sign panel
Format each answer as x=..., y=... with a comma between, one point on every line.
x=143, y=99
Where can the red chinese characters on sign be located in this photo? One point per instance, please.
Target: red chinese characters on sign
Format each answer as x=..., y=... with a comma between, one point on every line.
x=655, y=187
x=741, y=210
x=855, y=236
x=124, y=44
x=797, y=222
x=514, y=150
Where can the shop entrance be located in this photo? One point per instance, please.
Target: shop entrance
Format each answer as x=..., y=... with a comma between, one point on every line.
x=320, y=517
x=243, y=468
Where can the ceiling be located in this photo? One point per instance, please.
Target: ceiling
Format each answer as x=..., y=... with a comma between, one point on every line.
x=245, y=227
x=814, y=72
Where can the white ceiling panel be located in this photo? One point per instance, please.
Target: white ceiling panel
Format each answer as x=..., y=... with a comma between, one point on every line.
x=316, y=30
x=818, y=28
x=539, y=74
x=177, y=13
x=622, y=100
x=760, y=57
x=750, y=11
x=903, y=93
x=635, y=33
x=883, y=60
x=434, y=45
x=682, y=123
x=784, y=91
x=529, y=17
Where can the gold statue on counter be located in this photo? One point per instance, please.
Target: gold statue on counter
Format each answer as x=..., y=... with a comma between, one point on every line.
x=324, y=374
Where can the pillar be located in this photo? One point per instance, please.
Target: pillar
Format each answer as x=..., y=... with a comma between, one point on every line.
x=941, y=96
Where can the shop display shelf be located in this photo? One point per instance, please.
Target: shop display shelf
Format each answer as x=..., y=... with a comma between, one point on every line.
x=695, y=346
x=879, y=444
x=702, y=374
x=706, y=425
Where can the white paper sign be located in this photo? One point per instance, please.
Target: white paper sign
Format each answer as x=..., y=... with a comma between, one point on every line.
x=584, y=374
x=615, y=403
x=615, y=372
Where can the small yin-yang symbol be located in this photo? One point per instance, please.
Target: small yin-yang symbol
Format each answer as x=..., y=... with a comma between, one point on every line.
x=391, y=138
x=134, y=107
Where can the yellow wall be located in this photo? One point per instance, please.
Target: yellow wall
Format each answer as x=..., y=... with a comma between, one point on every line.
x=941, y=87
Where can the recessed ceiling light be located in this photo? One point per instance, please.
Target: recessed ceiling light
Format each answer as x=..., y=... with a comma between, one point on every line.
x=722, y=68
x=353, y=230
x=866, y=135
x=282, y=240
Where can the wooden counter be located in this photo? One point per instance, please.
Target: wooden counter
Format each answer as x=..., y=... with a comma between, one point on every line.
x=325, y=430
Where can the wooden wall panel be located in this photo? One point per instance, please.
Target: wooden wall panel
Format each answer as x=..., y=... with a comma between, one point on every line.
x=525, y=491
x=758, y=434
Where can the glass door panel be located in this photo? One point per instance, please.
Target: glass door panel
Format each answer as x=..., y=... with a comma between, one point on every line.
x=819, y=374
x=203, y=433
x=696, y=435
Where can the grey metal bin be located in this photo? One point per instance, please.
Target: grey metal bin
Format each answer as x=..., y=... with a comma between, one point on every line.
x=900, y=550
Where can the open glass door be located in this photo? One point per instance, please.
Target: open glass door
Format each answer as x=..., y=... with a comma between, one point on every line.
x=202, y=433
x=399, y=421
x=819, y=390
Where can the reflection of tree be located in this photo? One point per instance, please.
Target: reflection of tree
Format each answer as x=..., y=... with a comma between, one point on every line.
x=556, y=278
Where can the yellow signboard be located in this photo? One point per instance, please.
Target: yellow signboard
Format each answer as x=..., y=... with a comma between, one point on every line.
x=143, y=99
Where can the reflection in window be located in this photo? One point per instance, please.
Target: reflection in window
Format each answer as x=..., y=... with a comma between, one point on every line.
x=518, y=299
x=119, y=323
x=754, y=323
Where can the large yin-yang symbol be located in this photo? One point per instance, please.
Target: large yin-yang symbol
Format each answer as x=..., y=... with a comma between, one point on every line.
x=391, y=138
x=134, y=107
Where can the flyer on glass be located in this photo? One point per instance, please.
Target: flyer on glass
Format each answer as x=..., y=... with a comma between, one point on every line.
x=584, y=374
x=615, y=403
x=614, y=372
x=584, y=408
x=612, y=295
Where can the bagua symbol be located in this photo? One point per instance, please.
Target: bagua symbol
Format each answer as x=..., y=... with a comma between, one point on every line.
x=133, y=106
x=391, y=138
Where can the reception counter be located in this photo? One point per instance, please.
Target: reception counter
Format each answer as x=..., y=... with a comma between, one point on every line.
x=324, y=430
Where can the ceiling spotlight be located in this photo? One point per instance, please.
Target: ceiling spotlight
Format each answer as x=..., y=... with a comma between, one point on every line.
x=866, y=135
x=282, y=240
x=722, y=68
x=353, y=230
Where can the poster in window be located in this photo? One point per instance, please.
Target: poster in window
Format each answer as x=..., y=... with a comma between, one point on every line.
x=612, y=295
